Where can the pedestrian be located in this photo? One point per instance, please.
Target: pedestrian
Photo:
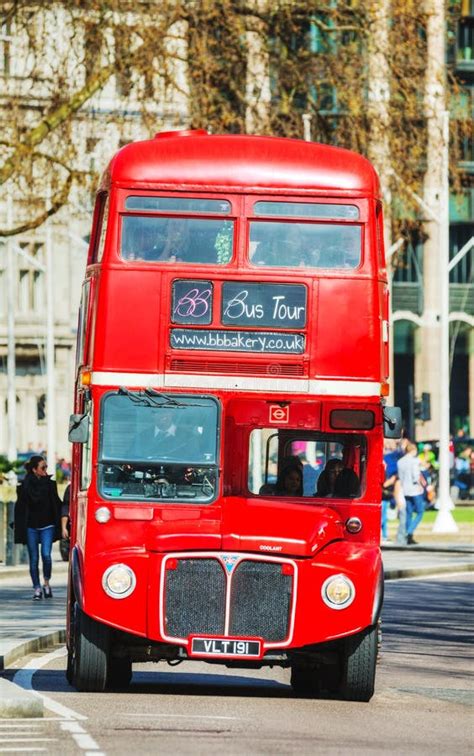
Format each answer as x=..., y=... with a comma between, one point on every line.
x=393, y=452
x=37, y=521
x=412, y=480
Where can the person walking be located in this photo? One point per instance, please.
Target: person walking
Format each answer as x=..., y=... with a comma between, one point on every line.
x=412, y=481
x=37, y=521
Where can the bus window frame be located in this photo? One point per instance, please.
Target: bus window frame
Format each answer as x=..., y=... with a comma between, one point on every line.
x=363, y=221
x=87, y=448
x=100, y=227
x=303, y=268
x=100, y=460
x=297, y=434
x=83, y=326
x=176, y=217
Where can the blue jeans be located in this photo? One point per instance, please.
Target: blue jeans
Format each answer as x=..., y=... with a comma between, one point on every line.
x=43, y=537
x=415, y=510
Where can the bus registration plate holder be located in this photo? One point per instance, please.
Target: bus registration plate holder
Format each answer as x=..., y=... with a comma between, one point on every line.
x=228, y=647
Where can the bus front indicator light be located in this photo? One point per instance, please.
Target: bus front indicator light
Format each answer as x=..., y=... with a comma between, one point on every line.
x=353, y=525
x=119, y=581
x=338, y=592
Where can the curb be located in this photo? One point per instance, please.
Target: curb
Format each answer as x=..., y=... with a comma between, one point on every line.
x=31, y=646
x=22, y=570
x=442, y=569
x=18, y=703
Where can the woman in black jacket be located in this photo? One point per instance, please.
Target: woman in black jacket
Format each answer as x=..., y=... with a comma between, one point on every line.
x=37, y=520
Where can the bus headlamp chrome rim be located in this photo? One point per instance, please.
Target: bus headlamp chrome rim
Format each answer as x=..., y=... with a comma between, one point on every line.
x=338, y=592
x=119, y=581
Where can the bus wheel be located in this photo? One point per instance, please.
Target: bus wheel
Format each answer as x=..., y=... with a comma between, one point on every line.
x=359, y=657
x=120, y=673
x=91, y=651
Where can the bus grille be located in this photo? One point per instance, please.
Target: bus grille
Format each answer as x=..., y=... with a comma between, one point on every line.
x=259, y=605
x=260, y=601
x=195, y=598
x=240, y=367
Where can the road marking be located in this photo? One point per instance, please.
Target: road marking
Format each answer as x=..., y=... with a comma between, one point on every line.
x=21, y=750
x=182, y=716
x=24, y=678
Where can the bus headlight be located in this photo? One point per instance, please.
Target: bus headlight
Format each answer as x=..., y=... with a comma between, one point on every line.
x=338, y=592
x=119, y=581
x=103, y=514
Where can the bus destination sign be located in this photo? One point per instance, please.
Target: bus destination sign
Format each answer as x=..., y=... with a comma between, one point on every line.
x=243, y=304
x=264, y=304
x=270, y=306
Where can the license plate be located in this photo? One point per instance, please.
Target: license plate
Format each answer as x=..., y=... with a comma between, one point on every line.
x=224, y=647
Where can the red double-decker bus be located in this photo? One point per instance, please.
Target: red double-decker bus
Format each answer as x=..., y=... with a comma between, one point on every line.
x=229, y=414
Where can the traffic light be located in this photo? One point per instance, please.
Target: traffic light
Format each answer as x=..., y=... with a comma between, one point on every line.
x=422, y=407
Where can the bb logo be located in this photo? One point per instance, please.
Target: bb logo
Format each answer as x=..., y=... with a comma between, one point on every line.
x=279, y=414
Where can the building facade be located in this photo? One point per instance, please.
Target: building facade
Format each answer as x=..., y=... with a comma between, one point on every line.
x=135, y=103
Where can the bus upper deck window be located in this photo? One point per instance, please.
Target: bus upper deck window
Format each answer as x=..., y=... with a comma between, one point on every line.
x=310, y=245
x=177, y=240
x=178, y=205
x=307, y=210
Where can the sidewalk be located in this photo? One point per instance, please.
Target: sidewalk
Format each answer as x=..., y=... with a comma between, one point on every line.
x=27, y=626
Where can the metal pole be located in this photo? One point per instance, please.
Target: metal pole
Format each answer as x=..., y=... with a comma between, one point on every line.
x=444, y=522
x=11, y=349
x=307, y=126
x=50, y=362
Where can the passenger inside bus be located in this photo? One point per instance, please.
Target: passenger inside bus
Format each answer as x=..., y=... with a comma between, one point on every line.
x=283, y=244
x=182, y=240
x=337, y=481
x=313, y=245
x=290, y=480
x=321, y=465
x=175, y=244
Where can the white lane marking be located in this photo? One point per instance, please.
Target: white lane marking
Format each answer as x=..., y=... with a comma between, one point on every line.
x=182, y=716
x=72, y=727
x=24, y=678
x=86, y=742
x=21, y=750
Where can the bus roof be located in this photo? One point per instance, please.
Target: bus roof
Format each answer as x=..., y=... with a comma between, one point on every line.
x=187, y=160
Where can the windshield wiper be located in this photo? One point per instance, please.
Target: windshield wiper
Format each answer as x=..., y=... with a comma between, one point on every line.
x=149, y=398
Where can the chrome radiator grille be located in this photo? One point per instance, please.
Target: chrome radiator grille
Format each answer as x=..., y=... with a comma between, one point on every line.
x=202, y=597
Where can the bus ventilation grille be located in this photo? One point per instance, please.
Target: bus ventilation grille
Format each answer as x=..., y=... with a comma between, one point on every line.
x=259, y=606
x=272, y=369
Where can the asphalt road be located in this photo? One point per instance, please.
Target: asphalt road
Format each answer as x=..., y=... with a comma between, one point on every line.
x=422, y=705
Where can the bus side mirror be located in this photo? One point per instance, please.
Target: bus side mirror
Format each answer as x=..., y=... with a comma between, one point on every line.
x=78, y=429
x=392, y=422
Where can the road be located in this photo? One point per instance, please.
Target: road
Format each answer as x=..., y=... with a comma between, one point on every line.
x=422, y=704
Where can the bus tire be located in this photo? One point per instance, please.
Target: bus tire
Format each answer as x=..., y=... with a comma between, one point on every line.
x=120, y=673
x=359, y=658
x=91, y=652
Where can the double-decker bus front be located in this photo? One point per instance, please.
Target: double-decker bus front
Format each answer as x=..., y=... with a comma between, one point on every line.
x=228, y=424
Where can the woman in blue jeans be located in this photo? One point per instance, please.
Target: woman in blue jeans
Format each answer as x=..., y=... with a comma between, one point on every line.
x=37, y=521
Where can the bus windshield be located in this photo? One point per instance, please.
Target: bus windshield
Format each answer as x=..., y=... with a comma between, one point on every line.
x=285, y=244
x=154, y=447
